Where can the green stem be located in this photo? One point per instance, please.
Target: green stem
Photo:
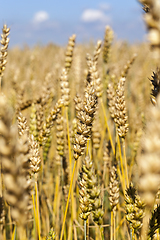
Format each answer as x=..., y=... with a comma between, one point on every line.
x=102, y=233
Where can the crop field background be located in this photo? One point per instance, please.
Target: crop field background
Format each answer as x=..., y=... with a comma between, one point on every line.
x=80, y=138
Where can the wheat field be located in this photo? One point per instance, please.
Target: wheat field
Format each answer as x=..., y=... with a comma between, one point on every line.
x=80, y=138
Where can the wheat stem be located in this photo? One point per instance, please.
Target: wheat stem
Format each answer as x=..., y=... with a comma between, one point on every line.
x=69, y=234
x=35, y=215
x=131, y=232
x=70, y=166
x=120, y=224
x=87, y=147
x=70, y=162
x=111, y=229
x=85, y=230
x=56, y=203
x=69, y=142
x=37, y=208
x=102, y=233
x=4, y=234
x=106, y=122
x=14, y=233
x=67, y=204
x=121, y=179
x=125, y=162
x=114, y=224
x=121, y=162
x=157, y=234
x=10, y=221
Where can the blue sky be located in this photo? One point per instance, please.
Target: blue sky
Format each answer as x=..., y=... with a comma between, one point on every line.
x=43, y=21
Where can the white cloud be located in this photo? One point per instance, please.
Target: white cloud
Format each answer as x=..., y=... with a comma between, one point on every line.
x=40, y=17
x=104, y=6
x=92, y=15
